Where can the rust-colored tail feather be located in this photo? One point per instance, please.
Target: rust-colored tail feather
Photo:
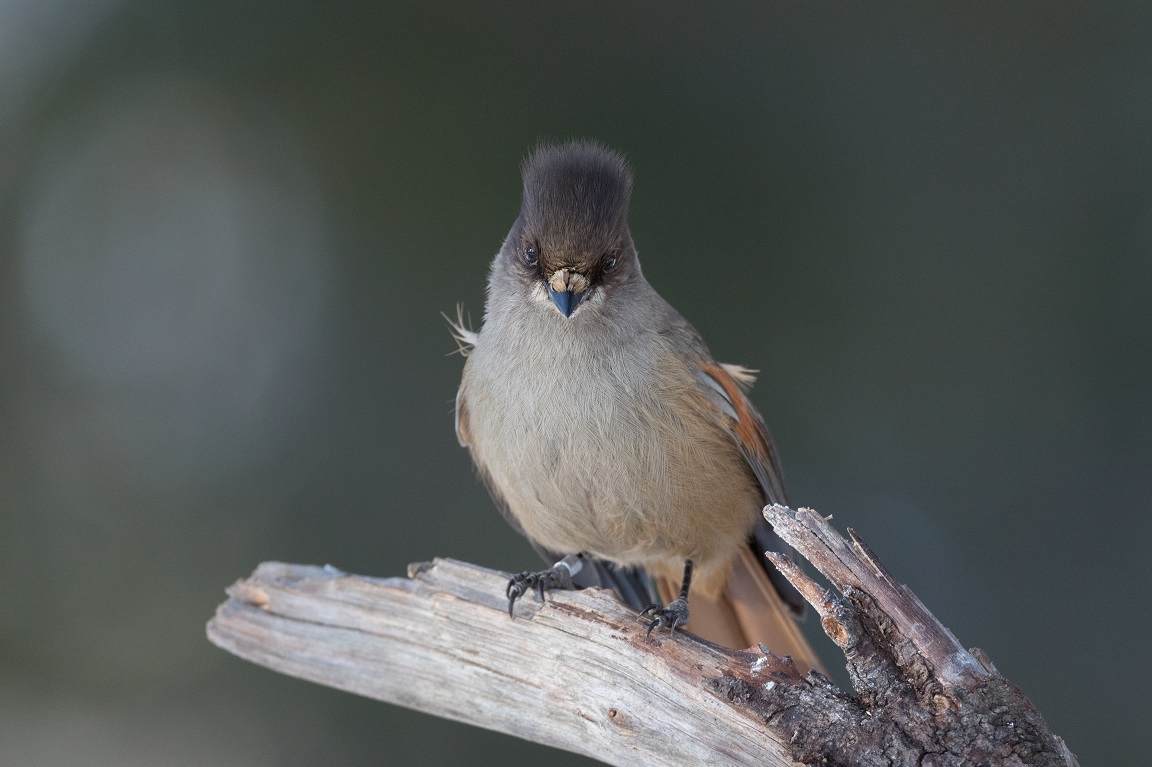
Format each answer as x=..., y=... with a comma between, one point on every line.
x=747, y=611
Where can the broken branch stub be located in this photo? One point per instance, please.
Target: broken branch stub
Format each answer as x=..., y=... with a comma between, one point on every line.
x=920, y=697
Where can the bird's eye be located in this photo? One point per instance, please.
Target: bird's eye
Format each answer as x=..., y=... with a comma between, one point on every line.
x=531, y=257
x=609, y=263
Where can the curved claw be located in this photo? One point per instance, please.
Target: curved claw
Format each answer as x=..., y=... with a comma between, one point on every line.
x=516, y=594
x=553, y=578
x=516, y=590
x=673, y=616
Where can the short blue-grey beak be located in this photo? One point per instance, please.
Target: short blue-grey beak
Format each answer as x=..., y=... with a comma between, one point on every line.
x=566, y=300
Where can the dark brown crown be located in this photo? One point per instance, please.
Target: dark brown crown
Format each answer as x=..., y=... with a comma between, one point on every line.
x=575, y=203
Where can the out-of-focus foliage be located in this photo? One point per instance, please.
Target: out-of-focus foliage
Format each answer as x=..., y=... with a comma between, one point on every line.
x=228, y=229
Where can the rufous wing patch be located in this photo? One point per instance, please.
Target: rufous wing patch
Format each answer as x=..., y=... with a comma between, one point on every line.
x=746, y=425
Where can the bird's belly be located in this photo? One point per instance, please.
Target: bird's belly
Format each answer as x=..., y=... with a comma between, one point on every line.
x=644, y=477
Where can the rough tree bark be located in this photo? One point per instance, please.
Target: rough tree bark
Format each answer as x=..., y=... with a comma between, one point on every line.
x=577, y=673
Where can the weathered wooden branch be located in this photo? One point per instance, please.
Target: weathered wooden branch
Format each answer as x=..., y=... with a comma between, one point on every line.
x=578, y=673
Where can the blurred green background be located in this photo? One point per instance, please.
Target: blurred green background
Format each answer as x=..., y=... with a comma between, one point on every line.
x=228, y=229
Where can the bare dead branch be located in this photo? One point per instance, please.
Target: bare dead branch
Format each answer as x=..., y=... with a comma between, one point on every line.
x=578, y=674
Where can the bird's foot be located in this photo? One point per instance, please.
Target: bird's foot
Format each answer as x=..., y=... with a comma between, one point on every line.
x=673, y=616
x=558, y=576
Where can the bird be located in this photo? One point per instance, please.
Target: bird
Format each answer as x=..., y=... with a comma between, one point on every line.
x=606, y=432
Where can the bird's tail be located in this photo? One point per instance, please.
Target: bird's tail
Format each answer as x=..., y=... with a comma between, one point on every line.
x=747, y=611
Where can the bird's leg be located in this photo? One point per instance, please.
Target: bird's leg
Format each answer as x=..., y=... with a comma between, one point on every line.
x=676, y=613
x=558, y=576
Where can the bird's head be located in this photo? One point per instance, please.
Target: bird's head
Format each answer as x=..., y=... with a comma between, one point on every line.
x=571, y=243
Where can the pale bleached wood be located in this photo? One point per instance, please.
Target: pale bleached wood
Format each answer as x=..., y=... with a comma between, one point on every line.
x=578, y=674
